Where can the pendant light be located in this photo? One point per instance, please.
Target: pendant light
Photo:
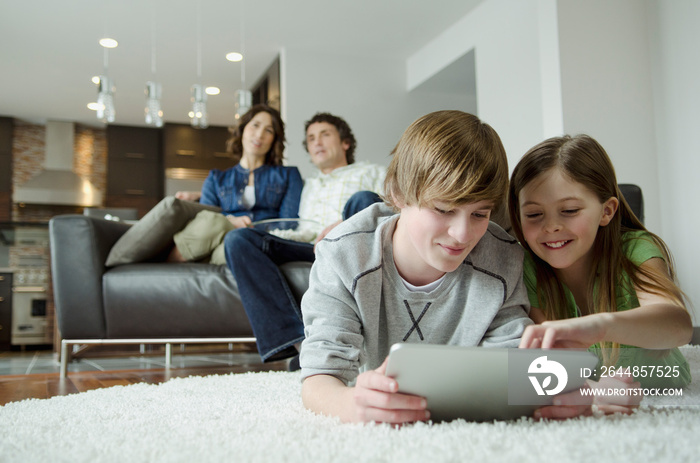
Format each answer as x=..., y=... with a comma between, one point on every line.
x=244, y=98
x=106, y=88
x=153, y=112
x=198, y=113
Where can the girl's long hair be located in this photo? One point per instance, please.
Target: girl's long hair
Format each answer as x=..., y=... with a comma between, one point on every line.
x=585, y=161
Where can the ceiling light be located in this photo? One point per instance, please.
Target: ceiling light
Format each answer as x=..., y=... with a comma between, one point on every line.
x=244, y=98
x=109, y=43
x=93, y=106
x=105, y=88
x=212, y=90
x=198, y=114
x=105, y=100
x=96, y=80
x=154, y=115
x=234, y=56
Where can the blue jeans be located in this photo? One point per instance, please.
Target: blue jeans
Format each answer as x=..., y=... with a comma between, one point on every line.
x=253, y=256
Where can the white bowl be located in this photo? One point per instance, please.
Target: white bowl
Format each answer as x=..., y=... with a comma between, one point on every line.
x=302, y=230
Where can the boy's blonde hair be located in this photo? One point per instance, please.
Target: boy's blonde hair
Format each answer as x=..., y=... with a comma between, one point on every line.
x=447, y=156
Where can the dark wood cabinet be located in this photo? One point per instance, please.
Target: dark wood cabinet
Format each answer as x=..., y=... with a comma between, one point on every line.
x=5, y=310
x=6, y=131
x=134, y=167
x=185, y=147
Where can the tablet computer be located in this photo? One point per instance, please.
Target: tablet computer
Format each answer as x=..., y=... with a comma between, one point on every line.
x=485, y=384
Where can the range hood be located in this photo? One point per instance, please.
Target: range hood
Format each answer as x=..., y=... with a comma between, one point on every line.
x=57, y=183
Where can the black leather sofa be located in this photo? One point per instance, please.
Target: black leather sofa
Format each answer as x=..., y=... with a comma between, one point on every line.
x=145, y=303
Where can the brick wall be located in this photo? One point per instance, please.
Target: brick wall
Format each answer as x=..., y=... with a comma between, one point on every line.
x=28, y=147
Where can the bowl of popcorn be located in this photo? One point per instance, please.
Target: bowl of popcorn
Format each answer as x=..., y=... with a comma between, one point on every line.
x=302, y=230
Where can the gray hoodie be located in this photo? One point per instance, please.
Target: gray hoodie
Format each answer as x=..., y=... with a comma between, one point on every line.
x=357, y=306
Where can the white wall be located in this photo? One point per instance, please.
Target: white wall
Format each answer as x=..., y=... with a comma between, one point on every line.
x=633, y=86
x=624, y=71
x=506, y=39
x=676, y=85
x=369, y=93
x=606, y=88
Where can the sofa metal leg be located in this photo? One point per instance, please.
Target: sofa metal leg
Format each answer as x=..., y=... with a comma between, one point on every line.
x=65, y=356
x=168, y=355
x=64, y=359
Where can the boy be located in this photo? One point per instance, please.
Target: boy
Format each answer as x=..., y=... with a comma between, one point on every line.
x=437, y=272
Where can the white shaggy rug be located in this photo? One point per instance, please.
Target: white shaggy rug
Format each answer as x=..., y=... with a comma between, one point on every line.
x=259, y=417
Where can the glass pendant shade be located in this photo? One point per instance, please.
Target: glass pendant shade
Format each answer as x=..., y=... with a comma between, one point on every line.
x=105, y=100
x=153, y=112
x=198, y=114
x=244, y=100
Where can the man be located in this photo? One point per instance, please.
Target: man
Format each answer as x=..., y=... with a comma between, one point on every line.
x=342, y=188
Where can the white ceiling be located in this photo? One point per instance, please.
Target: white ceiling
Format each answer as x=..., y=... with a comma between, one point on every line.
x=49, y=49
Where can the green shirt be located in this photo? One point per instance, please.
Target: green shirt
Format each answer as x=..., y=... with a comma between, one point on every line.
x=638, y=247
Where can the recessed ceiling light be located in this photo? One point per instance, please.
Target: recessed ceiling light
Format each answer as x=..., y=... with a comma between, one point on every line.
x=93, y=106
x=234, y=56
x=95, y=80
x=109, y=43
x=212, y=90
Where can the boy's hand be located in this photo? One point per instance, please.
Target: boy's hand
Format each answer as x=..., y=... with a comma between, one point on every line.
x=376, y=398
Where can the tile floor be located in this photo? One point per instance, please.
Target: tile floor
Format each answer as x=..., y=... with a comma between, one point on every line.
x=45, y=361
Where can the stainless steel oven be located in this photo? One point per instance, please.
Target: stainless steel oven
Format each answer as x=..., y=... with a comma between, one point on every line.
x=29, y=322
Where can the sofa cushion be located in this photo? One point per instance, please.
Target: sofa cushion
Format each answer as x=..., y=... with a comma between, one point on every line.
x=153, y=234
x=165, y=300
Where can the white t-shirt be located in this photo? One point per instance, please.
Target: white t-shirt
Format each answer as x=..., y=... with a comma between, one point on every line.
x=248, y=198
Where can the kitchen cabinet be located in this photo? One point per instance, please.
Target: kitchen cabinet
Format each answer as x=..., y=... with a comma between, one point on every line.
x=6, y=128
x=185, y=147
x=5, y=310
x=134, y=167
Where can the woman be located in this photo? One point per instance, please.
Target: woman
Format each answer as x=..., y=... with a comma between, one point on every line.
x=258, y=187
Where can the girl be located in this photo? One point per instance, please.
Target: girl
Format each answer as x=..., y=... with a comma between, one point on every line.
x=595, y=276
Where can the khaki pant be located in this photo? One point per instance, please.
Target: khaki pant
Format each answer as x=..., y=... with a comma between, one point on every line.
x=203, y=237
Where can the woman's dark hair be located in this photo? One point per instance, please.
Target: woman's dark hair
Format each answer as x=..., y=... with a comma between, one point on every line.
x=343, y=130
x=234, y=144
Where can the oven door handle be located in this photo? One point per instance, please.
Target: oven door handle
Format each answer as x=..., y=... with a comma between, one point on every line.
x=28, y=289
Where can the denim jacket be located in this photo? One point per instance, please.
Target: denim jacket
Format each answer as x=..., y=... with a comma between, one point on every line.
x=277, y=191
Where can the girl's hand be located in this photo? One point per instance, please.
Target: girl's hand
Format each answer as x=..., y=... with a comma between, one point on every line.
x=376, y=398
x=575, y=403
x=239, y=221
x=580, y=333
